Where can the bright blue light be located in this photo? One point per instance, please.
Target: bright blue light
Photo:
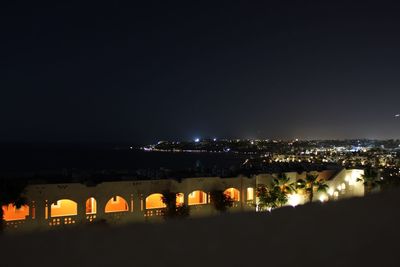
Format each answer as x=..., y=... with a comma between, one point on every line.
x=197, y=140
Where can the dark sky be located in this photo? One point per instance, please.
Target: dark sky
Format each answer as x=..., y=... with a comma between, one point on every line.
x=157, y=70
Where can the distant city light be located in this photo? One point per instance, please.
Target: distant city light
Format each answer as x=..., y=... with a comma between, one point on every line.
x=397, y=115
x=215, y=139
x=197, y=140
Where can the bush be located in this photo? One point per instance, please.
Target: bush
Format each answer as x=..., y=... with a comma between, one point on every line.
x=220, y=201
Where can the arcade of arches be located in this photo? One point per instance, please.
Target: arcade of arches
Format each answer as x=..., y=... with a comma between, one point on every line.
x=67, y=207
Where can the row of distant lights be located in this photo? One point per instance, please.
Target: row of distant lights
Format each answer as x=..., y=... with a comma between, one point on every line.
x=196, y=140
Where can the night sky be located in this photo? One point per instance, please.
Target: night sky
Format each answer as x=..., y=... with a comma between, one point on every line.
x=157, y=70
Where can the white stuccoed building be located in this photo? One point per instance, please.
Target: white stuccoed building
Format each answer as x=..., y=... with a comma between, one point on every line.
x=55, y=205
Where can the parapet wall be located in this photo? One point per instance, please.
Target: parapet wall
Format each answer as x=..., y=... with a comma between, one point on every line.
x=55, y=205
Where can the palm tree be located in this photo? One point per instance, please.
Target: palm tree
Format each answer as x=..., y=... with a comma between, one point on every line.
x=10, y=193
x=172, y=210
x=369, y=179
x=267, y=198
x=282, y=188
x=312, y=184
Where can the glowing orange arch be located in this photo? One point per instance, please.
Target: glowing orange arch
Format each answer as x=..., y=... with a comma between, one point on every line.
x=64, y=207
x=91, y=206
x=154, y=201
x=233, y=193
x=116, y=204
x=197, y=197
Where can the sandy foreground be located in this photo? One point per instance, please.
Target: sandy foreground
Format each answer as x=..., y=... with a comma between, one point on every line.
x=355, y=232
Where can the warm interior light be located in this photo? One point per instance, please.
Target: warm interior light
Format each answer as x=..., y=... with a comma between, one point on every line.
x=11, y=213
x=64, y=207
x=116, y=204
x=154, y=201
x=233, y=193
x=197, y=198
x=250, y=193
x=91, y=206
x=180, y=200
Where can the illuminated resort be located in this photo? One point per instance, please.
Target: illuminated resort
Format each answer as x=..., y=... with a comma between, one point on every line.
x=54, y=205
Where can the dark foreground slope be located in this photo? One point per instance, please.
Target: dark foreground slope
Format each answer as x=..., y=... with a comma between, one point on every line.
x=356, y=232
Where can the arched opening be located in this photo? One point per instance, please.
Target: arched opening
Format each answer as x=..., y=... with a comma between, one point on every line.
x=233, y=193
x=91, y=206
x=116, y=204
x=64, y=207
x=250, y=193
x=180, y=199
x=12, y=213
x=197, y=197
x=154, y=201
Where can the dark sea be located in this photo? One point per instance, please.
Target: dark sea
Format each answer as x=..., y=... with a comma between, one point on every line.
x=20, y=158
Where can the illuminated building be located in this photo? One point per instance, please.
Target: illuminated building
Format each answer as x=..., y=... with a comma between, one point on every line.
x=52, y=205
